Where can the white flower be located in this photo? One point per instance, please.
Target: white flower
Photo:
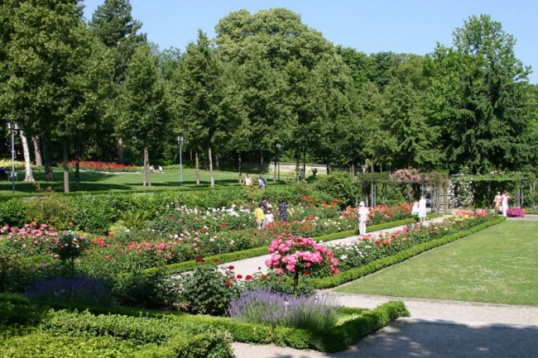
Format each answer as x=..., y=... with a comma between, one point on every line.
x=343, y=257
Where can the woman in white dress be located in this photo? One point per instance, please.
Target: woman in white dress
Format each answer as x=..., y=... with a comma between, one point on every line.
x=504, y=202
x=422, y=209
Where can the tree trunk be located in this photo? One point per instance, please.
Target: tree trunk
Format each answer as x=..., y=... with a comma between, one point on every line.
x=121, y=151
x=239, y=164
x=48, y=168
x=37, y=151
x=66, y=167
x=147, y=174
x=29, y=176
x=77, y=173
x=212, y=179
x=197, y=160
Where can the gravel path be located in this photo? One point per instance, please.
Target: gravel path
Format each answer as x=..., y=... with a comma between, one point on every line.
x=436, y=328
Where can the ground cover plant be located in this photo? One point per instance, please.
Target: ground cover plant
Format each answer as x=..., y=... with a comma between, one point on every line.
x=496, y=265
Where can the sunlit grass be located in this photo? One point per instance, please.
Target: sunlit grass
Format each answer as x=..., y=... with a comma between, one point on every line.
x=94, y=181
x=497, y=265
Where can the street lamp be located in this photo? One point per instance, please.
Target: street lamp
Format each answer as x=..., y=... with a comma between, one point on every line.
x=278, y=147
x=180, y=142
x=14, y=129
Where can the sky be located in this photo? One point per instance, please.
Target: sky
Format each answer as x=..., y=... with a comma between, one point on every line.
x=369, y=26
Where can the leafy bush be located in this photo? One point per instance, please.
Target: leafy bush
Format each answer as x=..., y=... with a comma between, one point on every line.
x=208, y=291
x=266, y=307
x=341, y=185
x=13, y=212
x=154, y=290
x=52, y=209
x=79, y=290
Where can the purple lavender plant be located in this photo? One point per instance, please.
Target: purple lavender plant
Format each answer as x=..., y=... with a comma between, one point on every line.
x=263, y=306
x=78, y=290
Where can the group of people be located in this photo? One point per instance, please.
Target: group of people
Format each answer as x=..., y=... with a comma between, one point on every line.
x=419, y=209
x=247, y=181
x=501, y=202
x=158, y=170
x=264, y=215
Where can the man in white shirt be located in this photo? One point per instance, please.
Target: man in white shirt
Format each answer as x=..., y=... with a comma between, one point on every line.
x=364, y=214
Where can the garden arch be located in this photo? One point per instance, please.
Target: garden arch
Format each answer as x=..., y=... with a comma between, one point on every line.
x=479, y=189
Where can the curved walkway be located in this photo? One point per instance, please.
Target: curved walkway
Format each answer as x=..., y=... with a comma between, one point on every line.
x=436, y=328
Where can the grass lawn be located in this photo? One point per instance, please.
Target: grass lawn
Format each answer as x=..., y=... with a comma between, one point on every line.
x=92, y=181
x=496, y=265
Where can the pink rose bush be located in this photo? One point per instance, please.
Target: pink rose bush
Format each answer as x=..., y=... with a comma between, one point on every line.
x=295, y=256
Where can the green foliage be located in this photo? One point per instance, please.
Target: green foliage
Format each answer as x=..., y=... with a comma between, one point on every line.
x=152, y=290
x=13, y=212
x=208, y=290
x=51, y=209
x=341, y=185
x=15, y=310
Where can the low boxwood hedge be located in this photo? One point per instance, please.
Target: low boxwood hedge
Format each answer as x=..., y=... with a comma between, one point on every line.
x=157, y=328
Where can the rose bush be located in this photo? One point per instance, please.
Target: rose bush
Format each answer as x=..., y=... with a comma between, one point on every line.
x=296, y=256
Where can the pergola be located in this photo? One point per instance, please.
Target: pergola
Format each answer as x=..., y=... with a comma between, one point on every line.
x=437, y=183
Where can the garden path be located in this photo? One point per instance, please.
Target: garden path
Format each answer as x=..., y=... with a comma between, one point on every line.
x=257, y=264
x=436, y=328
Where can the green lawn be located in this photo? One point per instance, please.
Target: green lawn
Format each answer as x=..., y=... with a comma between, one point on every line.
x=497, y=265
x=92, y=181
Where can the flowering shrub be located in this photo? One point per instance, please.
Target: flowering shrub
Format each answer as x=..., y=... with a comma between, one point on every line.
x=103, y=166
x=270, y=308
x=515, y=212
x=209, y=290
x=69, y=246
x=295, y=256
x=371, y=248
x=30, y=240
x=405, y=175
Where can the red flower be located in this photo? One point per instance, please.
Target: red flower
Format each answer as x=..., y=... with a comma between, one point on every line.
x=306, y=273
x=248, y=277
x=200, y=259
x=263, y=277
x=228, y=283
x=239, y=276
x=255, y=233
x=231, y=267
x=215, y=260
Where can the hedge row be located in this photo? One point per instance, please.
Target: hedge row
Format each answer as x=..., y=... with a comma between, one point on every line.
x=184, y=333
x=358, y=272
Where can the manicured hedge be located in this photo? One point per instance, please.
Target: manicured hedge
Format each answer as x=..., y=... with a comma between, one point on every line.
x=176, y=331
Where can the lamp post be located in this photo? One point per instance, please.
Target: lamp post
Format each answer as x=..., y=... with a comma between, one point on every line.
x=180, y=142
x=14, y=129
x=278, y=147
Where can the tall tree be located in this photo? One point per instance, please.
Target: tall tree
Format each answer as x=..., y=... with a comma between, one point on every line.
x=144, y=105
x=115, y=26
x=479, y=98
x=46, y=89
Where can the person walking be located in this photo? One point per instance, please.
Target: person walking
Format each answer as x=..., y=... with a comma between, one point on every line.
x=259, y=216
x=364, y=215
x=422, y=209
x=504, y=203
x=283, y=210
x=247, y=181
x=497, y=201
